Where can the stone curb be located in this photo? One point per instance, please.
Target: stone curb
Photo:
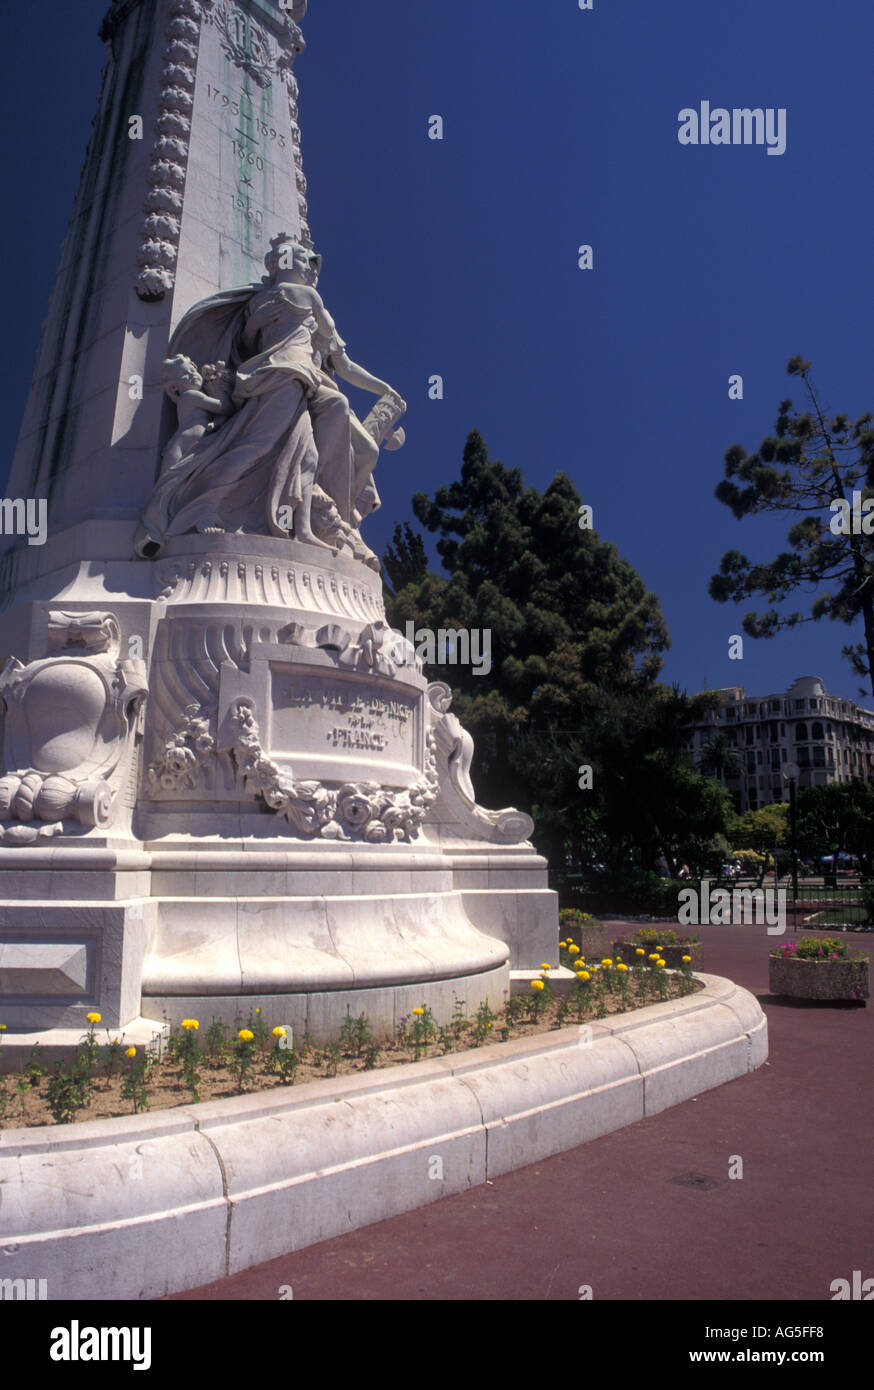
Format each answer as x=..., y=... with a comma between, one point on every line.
x=138, y=1207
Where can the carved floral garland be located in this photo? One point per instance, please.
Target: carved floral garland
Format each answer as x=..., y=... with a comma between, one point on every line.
x=362, y=810
x=184, y=753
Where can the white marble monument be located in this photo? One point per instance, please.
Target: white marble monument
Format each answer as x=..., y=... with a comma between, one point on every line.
x=224, y=782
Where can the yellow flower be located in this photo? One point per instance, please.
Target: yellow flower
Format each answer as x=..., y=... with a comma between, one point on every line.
x=130, y=1052
x=640, y=951
x=190, y=1025
x=654, y=956
x=2, y=1027
x=418, y=1011
x=621, y=966
x=606, y=961
x=544, y=965
x=587, y=916
x=687, y=960
x=537, y=984
x=562, y=945
x=93, y=1018
x=245, y=1035
x=661, y=964
x=279, y=1032
x=584, y=975
x=573, y=949
x=257, y=1011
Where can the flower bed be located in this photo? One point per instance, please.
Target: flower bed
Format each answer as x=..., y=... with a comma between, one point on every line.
x=673, y=948
x=109, y=1079
x=818, y=968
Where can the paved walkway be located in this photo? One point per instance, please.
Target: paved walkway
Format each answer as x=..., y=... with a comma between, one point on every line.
x=610, y=1215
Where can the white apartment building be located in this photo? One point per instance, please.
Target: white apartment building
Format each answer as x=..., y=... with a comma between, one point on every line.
x=830, y=739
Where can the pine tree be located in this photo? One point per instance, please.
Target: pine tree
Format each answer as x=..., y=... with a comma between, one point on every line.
x=576, y=646
x=810, y=468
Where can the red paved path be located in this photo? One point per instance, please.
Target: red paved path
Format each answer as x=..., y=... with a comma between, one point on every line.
x=606, y=1214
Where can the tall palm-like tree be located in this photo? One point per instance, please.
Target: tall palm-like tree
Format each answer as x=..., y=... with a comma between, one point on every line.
x=720, y=758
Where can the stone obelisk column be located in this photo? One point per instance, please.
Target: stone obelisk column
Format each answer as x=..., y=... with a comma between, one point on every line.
x=194, y=163
x=225, y=782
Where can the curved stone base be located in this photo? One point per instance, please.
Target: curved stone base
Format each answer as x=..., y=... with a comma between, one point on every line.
x=141, y=1207
x=321, y=1013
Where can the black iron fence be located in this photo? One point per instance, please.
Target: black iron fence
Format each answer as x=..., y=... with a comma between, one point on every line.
x=820, y=904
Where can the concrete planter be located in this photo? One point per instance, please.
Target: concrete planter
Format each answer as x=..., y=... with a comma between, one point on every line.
x=671, y=955
x=812, y=979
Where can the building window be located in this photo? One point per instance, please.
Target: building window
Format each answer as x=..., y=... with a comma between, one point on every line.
x=800, y=733
x=817, y=732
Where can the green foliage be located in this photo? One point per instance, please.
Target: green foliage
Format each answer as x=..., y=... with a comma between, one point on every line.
x=113, y=1055
x=657, y=936
x=135, y=1081
x=217, y=1043
x=483, y=1024
x=355, y=1034
x=763, y=829
x=286, y=1064
x=405, y=560
x=371, y=1056
x=837, y=818
x=576, y=646
x=66, y=1093
x=821, y=948
x=809, y=462
x=329, y=1057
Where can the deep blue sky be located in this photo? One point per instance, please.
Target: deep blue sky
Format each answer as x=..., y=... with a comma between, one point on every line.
x=460, y=257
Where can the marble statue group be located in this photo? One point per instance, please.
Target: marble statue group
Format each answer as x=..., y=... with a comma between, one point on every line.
x=266, y=442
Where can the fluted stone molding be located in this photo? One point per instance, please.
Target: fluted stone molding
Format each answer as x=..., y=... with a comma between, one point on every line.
x=296, y=586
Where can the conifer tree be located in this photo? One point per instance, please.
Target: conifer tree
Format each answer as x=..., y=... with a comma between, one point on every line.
x=810, y=469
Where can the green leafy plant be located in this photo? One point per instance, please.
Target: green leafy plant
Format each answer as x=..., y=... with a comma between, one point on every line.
x=483, y=1023
x=423, y=1030
x=135, y=1079
x=217, y=1043
x=113, y=1054
x=65, y=1095
x=286, y=1064
x=329, y=1057
x=459, y=1022
x=244, y=1057
x=190, y=1056
x=371, y=1056
x=35, y=1067
x=355, y=1034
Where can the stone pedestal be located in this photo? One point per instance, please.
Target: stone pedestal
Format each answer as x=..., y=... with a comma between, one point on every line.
x=286, y=820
